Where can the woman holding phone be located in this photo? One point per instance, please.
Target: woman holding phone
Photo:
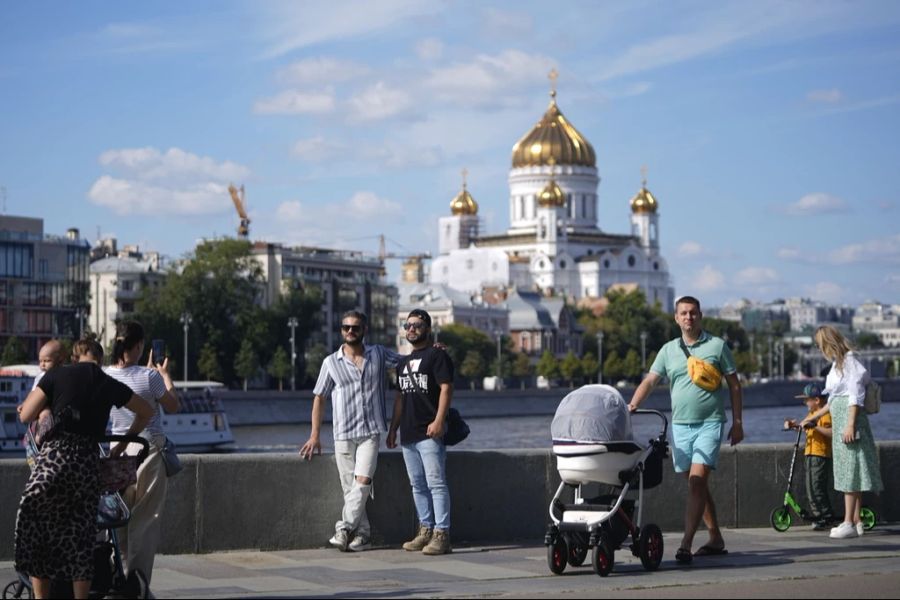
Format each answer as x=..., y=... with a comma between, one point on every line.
x=148, y=496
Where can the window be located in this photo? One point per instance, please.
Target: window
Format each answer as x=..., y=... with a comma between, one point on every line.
x=631, y=261
x=606, y=264
x=127, y=285
x=562, y=264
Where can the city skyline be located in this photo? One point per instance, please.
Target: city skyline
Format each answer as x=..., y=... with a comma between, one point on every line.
x=767, y=128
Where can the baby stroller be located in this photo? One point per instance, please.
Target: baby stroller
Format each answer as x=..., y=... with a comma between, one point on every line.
x=593, y=444
x=109, y=572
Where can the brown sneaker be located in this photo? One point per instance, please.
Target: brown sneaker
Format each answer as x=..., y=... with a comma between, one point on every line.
x=420, y=541
x=439, y=544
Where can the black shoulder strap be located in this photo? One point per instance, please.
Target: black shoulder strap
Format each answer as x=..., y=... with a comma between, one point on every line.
x=684, y=348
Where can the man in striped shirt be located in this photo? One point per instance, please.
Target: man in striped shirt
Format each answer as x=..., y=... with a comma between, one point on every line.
x=354, y=376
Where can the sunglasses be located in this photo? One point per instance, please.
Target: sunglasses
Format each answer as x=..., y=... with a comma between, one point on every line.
x=353, y=328
x=414, y=326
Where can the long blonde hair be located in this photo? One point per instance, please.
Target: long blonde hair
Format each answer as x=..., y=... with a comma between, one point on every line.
x=833, y=345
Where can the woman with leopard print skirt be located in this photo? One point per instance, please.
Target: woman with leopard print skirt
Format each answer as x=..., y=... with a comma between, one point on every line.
x=56, y=523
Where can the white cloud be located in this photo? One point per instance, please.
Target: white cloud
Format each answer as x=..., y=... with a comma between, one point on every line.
x=691, y=249
x=131, y=197
x=366, y=205
x=490, y=79
x=317, y=149
x=174, y=164
x=296, y=102
x=430, y=49
x=827, y=291
x=362, y=206
x=507, y=23
x=164, y=183
x=883, y=251
x=816, y=204
x=754, y=276
x=793, y=254
x=290, y=26
x=320, y=71
x=378, y=102
x=831, y=96
x=708, y=279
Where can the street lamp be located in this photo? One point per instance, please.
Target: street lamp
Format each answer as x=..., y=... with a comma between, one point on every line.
x=600, y=357
x=186, y=320
x=643, y=352
x=292, y=323
x=499, y=335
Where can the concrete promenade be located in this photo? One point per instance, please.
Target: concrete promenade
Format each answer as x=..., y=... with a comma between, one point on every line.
x=761, y=563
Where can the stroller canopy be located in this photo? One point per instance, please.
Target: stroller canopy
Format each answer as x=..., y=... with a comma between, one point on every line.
x=592, y=413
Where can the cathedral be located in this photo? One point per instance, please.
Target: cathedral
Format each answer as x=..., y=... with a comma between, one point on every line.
x=554, y=245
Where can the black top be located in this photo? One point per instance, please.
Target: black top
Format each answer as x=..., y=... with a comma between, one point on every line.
x=81, y=396
x=430, y=367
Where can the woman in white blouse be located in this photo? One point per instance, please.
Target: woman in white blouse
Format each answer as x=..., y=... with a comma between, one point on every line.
x=855, y=457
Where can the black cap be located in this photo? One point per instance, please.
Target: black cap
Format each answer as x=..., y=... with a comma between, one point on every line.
x=418, y=312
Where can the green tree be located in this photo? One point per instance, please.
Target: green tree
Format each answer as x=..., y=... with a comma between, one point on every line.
x=570, y=368
x=867, y=339
x=589, y=366
x=462, y=339
x=472, y=367
x=631, y=366
x=613, y=367
x=246, y=362
x=280, y=366
x=14, y=352
x=522, y=368
x=314, y=359
x=547, y=366
x=208, y=363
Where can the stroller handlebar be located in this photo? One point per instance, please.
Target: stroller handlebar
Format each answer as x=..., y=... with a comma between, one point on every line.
x=131, y=439
x=645, y=411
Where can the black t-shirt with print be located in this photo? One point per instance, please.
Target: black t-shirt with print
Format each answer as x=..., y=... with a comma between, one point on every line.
x=430, y=367
x=87, y=392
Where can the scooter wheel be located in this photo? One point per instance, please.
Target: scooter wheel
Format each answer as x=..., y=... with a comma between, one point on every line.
x=781, y=519
x=557, y=556
x=602, y=559
x=867, y=517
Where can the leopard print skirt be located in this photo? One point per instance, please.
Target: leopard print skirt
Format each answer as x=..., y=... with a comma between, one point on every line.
x=56, y=524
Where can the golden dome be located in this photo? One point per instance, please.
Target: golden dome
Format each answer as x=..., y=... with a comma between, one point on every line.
x=552, y=195
x=644, y=201
x=553, y=137
x=464, y=203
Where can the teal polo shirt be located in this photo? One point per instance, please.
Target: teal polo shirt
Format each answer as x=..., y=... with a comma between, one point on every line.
x=690, y=402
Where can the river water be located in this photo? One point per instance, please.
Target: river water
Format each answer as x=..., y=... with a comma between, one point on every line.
x=761, y=426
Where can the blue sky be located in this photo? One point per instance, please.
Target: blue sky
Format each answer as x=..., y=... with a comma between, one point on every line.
x=769, y=129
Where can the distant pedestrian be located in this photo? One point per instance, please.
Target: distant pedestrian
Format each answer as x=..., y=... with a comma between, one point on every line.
x=425, y=381
x=818, y=457
x=147, y=497
x=87, y=349
x=695, y=364
x=354, y=378
x=855, y=458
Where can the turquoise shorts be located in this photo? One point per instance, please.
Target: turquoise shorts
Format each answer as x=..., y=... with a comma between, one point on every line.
x=696, y=443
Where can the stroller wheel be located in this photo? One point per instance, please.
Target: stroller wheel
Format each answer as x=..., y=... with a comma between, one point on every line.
x=557, y=556
x=868, y=517
x=781, y=519
x=651, y=547
x=577, y=554
x=602, y=559
x=17, y=589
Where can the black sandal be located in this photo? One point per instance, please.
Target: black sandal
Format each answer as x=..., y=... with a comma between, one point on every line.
x=683, y=556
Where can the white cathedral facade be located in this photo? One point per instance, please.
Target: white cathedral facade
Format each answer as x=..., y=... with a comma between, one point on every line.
x=554, y=244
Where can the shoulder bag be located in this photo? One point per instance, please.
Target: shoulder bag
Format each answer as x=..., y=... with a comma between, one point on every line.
x=457, y=428
x=704, y=375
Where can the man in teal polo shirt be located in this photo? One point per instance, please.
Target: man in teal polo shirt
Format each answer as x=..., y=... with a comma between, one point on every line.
x=698, y=419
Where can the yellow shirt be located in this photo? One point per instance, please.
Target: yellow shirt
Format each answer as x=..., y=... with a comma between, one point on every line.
x=818, y=444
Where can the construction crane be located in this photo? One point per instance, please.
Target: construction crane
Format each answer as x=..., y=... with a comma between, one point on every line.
x=413, y=266
x=244, y=228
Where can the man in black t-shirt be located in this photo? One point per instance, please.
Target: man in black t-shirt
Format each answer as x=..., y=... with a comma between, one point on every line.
x=425, y=381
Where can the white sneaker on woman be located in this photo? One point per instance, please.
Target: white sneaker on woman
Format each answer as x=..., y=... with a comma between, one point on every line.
x=860, y=529
x=843, y=531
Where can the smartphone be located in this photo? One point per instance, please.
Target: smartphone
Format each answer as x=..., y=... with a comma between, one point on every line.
x=159, y=351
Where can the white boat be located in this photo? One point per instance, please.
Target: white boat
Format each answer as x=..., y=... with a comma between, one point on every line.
x=200, y=426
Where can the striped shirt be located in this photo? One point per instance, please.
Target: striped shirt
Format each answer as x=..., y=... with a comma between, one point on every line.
x=357, y=396
x=146, y=383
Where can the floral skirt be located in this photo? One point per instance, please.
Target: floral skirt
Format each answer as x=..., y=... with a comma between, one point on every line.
x=856, y=467
x=56, y=523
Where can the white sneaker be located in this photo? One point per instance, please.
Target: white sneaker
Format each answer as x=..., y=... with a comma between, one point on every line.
x=360, y=543
x=340, y=540
x=843, y=531
x=860, y=529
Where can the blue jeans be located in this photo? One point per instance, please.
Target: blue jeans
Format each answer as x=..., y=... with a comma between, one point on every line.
x=426, y=466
